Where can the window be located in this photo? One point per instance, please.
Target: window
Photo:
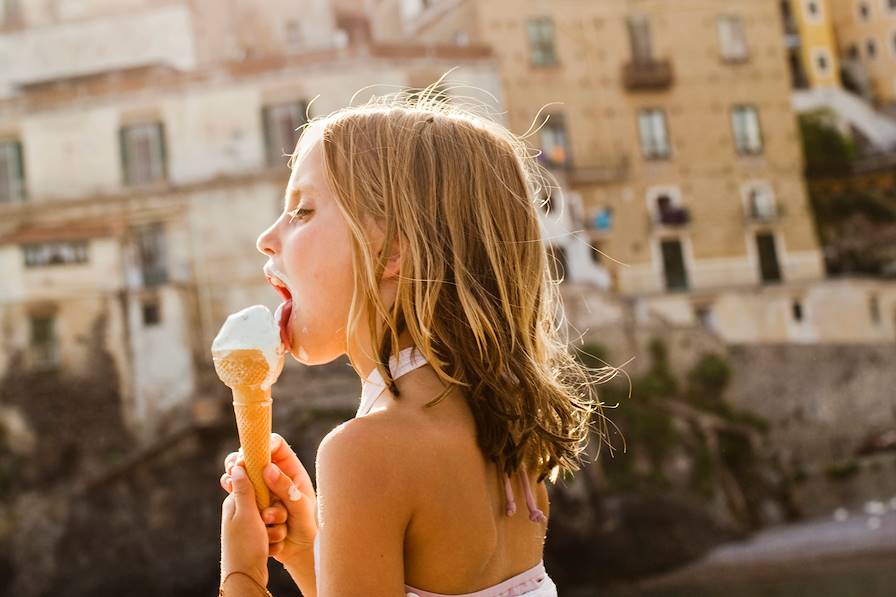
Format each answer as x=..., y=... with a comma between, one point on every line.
x=143, y=153
x=152, y=254
x=639, y=39
x=281, y=122
x=293, y=32
x=654, y=138
x=674, y=271
x=761, y=204
x=822, y=60
x=732, y=39
x=797, y=310
x=541, y=42
x=12, y=173
x=596, y=251
x=57, y=253
x=151, y=312
x=874, y=309
x=554, y=142
x=864, y=11
x=747, y=135
x=42, y=348
x=10, y=12
x=704, y=316
x=871, y=48
x=813, y=10
x=769, y=269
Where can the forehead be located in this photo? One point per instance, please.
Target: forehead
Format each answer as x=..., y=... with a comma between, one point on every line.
x=307, y=168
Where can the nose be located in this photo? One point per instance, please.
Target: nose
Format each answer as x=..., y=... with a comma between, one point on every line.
x=267, y=241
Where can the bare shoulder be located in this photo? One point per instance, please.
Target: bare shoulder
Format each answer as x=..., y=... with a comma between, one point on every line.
x=368, y=454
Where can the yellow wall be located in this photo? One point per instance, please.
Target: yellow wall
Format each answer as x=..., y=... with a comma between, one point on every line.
x=817, y=40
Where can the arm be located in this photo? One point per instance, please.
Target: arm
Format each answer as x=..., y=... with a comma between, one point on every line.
x=364, y=506
x=301, y=569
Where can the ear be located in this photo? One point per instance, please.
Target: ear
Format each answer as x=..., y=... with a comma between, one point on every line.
x=393, y=265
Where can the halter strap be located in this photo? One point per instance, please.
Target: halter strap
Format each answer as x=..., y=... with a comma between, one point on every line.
x=409, y=359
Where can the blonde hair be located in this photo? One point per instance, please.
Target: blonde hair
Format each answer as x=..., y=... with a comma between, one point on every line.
x=458, y=193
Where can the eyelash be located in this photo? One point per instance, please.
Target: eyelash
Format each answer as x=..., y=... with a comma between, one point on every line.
x=294, y=214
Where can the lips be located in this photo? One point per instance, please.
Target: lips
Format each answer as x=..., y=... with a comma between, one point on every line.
x=285, y=313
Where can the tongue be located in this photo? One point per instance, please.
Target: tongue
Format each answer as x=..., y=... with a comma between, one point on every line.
x=285, y=312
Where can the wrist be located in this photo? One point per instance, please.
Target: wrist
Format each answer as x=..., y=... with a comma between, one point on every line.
x=240, y=583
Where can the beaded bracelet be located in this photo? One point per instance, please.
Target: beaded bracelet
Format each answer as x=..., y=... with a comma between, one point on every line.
x=221, y=587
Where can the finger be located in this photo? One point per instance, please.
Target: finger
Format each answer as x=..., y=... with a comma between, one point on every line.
x=274, y=514
x=284, y=457
x=228, y=508
x=236, y=460
x=229, y=459
x=225, y=482
x=283, y=487
x=243, y=491
x=274, y=549
x=277, y=533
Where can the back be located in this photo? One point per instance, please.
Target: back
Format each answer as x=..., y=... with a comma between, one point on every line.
x=459, y=538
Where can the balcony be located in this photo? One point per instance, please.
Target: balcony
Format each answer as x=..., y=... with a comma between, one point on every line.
x=598, y=171
x=641, y=75
x=671, y=216
x=601, y=171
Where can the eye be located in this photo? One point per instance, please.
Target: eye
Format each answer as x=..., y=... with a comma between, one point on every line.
x=297, y=214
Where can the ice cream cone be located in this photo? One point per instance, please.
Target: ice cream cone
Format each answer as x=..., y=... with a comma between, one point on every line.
x=244, y=372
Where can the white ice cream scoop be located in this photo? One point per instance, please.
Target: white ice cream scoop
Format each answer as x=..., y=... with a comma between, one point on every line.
x=253, y=328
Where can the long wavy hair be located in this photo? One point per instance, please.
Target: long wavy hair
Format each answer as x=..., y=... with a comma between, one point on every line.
x=460, y=194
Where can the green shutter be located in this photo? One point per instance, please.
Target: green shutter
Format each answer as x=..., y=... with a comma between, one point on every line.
x=123, y=151
x=163, y=150
x=265, y=127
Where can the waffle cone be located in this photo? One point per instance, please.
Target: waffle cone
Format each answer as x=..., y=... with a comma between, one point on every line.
x=252, y=408
x=243, y=371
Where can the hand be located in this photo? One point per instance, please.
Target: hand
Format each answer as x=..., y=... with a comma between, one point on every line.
x=244, y=541
x=291, y=527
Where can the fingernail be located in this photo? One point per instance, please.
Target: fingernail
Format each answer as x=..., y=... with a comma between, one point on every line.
x=275, y=441
x=294, y=493
x=270, y=472
x=237, y=472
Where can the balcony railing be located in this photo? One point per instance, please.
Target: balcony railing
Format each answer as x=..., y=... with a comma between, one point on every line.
x=654, y=74
x=673, y=216
x=597, y=171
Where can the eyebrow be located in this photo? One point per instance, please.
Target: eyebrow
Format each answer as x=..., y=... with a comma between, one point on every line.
x=295, y=193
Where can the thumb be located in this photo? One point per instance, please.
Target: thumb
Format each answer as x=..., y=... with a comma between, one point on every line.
x=243, y=491
x=283, y=487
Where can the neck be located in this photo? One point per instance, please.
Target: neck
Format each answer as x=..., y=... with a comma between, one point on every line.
x=364, y=364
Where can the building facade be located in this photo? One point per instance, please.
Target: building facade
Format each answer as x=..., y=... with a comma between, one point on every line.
x=136, y=177
x=679, y=155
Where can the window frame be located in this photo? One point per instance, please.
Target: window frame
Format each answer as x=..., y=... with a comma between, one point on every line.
x=159, y=170
x=754, y=110
x=15, y=186
x=556, y=123
x=650, y=114
x=542, y=50
x=300, y=106
x=737, y=30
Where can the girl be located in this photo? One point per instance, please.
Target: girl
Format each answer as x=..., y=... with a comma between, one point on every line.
x=410, y=242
